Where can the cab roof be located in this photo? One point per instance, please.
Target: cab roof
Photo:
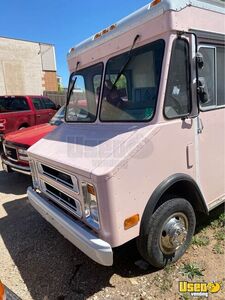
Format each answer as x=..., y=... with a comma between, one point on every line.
x=144, y=14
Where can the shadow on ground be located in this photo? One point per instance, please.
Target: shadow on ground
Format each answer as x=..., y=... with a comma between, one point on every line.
x=14, y=183
x=51, y=266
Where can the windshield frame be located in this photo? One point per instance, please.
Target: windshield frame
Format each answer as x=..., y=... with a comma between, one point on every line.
x=158, y=87
x=99, y=96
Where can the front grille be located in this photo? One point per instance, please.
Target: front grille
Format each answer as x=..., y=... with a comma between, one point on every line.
x=67, y=202
x=61, y=177
x=63, y=197
x=11, y=153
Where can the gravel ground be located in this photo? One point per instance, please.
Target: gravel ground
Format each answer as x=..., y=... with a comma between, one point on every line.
x=36, y=262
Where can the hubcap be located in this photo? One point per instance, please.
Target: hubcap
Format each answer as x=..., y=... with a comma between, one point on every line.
x=174, y=233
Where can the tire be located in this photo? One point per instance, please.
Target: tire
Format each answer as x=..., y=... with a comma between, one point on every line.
x=166, y=235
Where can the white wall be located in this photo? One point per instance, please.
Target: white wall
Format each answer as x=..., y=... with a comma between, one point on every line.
x=20, y=67
x=48, y=57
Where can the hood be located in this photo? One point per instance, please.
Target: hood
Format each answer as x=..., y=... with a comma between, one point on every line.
x=90, y=149
x=29, y=136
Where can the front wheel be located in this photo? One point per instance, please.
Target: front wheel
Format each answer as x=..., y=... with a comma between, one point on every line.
x=168, y=232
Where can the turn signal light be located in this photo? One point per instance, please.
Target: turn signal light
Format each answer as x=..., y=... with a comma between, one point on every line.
x=155, y=2
x=91, y=189
x=131, y=221
x=104, y=31
x=2, y=291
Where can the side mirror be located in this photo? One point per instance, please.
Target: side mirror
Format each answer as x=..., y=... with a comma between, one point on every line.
x=199, y=60
x=203, y=90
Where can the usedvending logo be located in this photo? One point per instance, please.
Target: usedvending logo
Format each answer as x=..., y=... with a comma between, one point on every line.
x=199, y=289
x=6, y=294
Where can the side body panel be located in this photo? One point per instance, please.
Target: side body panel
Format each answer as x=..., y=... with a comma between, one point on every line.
x=212, y=154
x=16, y=120
x=128, y=190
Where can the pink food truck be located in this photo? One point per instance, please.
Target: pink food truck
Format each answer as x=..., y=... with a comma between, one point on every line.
x=144, y=155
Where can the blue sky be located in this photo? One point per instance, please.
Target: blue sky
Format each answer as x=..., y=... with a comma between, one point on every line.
x=63, y=23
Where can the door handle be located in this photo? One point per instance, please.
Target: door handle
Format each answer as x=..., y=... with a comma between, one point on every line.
x=38, y=116
x=200, y=125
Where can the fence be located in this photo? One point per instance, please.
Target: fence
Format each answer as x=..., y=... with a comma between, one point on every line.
x=59, y=98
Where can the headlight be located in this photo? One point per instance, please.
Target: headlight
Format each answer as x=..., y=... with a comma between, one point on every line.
x=22, y=154
x=22, y=151
x=34, y=175
x=24, y=158
x=90, y=205
x=94, y=210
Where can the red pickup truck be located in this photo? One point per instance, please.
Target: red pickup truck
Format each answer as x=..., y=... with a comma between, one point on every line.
x=15, y=144
x=18, y=112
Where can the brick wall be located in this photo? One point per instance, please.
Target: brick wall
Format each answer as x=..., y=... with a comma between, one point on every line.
x=49, y=81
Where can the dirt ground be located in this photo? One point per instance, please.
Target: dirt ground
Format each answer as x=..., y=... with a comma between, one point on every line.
x=36, y=262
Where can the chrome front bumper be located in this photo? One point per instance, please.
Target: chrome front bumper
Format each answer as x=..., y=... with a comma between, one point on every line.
x=78, y=234
x=15, y=167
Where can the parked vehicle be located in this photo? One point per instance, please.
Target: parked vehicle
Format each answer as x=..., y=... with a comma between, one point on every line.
x=15, y=144
x=17, y=112
x=148, y=157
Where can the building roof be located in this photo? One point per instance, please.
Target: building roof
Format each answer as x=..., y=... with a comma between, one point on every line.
x=143, y=15
x=26, y=41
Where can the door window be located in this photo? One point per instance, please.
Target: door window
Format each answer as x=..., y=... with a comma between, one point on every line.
x=178, y=95
x=212, y=74
x=220, y=76
x=49, y=104
x=38, y=103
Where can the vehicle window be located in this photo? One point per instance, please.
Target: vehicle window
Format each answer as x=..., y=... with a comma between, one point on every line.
x=178, y=96
x=11, y=104
x=83, y=102
x=208, y=74
x=133, y=95
x=213, y=75
x=220, y=76
x=121, y=84
x=49, y=104
x=97, y=83
x=37, y=103
x=58, y=117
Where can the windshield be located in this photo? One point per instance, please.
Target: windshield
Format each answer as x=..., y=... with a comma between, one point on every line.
x=83, y=102
x=132, y=96
x=58, y=117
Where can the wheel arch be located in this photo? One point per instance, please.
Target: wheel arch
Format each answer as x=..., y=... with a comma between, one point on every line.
x=23, y=125
x=176, y=186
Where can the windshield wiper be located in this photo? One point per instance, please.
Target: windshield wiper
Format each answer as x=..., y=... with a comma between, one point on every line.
x=126, y=63
x=71, y=84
